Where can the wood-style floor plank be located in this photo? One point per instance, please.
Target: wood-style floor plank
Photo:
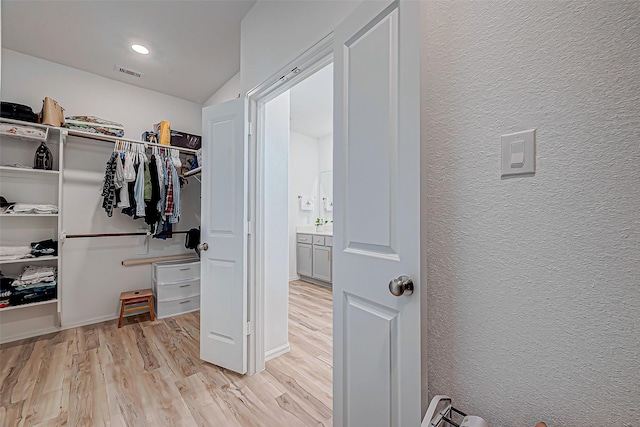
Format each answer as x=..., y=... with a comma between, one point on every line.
x=150, y=374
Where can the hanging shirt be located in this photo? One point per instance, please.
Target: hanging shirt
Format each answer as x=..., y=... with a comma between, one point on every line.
x=109, y=187
x=139, y=191
x=175, y=215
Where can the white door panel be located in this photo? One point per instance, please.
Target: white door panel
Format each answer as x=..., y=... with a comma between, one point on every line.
x=377, y=378
x=223, y=313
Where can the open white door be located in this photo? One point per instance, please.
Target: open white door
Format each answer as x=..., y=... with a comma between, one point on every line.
x=223, y=294
x=377, y=216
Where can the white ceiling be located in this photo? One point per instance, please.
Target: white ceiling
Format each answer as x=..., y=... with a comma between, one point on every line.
x=195, y=45
x=312, y=104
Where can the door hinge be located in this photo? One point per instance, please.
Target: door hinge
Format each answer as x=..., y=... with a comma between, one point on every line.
x=250, y=328
x=251, y=227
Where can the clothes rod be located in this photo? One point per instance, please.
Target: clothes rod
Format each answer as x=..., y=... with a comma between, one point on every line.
x=115, y=139
x=142, y=233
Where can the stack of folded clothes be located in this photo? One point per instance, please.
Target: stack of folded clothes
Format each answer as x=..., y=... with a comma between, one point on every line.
x=6, y=290
x=28, y=208
x=37, y=249
x=34, y=284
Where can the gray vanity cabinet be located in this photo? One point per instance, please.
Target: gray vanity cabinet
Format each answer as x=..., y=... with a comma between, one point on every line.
x=304, y=255
x=314, y=257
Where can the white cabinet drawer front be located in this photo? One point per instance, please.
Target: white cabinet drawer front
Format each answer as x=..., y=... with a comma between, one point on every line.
x=171, y=308
x=318, y=240
x=328, y=241
x=169, y=272
x=305, y=238
x=171, y=291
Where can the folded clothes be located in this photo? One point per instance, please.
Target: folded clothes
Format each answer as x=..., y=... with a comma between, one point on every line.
x=28, y=208
x=15, y=252
x=36, y=285
x=31, y=272
x=94, y=125
x=44, y=248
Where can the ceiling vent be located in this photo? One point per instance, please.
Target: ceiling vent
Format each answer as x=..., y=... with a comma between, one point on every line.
x=128, y=71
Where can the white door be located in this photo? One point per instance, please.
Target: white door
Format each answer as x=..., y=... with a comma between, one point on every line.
x=377, y=216
x=223, y=294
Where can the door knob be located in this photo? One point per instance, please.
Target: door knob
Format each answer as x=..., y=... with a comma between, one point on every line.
x=403, y=285
x=203, y=247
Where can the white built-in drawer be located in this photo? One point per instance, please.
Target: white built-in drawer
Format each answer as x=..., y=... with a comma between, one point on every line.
x=170, y=291
x=328, y=241
x=304, y=238
x=318, y=240
x=178, y=306
x=176, y=271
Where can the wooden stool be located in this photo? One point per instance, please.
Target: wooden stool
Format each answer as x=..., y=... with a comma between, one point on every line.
x=136, y=297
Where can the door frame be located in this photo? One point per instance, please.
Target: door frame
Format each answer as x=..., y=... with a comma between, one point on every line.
x=312, y=60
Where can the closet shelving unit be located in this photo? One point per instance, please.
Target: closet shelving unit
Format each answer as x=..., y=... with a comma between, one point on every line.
x=35, y=186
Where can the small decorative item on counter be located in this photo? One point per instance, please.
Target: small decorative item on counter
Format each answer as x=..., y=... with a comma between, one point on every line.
x=43, y=158
x=52, y=113
x=320, y=224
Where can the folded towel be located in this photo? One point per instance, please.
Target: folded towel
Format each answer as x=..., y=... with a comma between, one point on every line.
x=26, y=208
x=15, y=252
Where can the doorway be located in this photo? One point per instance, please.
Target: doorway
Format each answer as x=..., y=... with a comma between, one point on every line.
x=297, y=210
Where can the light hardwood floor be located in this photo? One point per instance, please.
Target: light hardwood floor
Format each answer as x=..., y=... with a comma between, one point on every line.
x=149, y=374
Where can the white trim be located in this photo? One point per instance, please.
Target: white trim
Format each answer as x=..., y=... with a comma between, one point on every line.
x=278, y=351
x=315, y=58
x=32, y=334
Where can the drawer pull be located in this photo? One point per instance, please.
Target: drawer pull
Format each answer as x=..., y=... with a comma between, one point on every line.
x=185, y=269
x=184, y=302
x=304, y=239
x=184, y=286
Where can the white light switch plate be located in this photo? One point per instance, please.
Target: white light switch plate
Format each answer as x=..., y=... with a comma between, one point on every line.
x=513, y=161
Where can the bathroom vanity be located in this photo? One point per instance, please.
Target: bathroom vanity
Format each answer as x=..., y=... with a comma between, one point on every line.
x=314, y=256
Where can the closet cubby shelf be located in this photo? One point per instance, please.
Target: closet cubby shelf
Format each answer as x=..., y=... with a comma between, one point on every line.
x=28, y=260
x=28, y=171
x=33, y=304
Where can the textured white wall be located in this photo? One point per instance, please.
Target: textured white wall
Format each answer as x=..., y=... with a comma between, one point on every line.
x=276, y=245
x=27, y=80
x=534, y=283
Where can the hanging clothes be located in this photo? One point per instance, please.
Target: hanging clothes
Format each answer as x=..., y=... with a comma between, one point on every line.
x=109, y=187
x=139, y=191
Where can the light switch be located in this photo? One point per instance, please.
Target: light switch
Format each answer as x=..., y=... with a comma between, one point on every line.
x=519, y=153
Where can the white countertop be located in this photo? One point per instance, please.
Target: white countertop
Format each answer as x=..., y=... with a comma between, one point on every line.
x=311, y=229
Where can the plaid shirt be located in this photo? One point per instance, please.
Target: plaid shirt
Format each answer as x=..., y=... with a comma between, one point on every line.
x=169, y=205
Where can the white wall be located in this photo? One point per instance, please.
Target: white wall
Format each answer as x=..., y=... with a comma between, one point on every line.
x=27, y=80
x=534, y=283
x=303, y=170
x=325, y=153
x=276, y=245
x=92, y=276
x=227, y=92
x=276, y=32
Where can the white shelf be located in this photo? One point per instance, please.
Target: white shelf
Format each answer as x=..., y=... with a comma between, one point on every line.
x=27, y=260
x=28, y=171
x=33, y=304
x=27, y=215
x=193, y=172
x=17, y=123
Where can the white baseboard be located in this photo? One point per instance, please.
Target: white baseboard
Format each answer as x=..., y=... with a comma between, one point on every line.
x=91, y=321
x=296, y=277
x=278, y=351
x=30, y=334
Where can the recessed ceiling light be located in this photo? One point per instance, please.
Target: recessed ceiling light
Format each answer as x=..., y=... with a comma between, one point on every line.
x=140, y=49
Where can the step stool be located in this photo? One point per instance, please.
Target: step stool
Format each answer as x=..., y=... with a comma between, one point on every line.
x=136, y=297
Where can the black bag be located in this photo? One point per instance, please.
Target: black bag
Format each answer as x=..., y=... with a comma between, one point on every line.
x=193, y=238
x=11, y=110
